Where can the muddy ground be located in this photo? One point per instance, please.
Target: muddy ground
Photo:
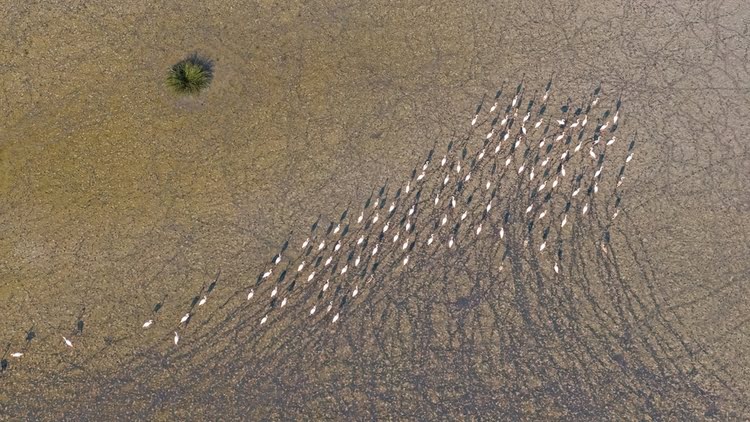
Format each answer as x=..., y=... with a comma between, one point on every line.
x=118, y=195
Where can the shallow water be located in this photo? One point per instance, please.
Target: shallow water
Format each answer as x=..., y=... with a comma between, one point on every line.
x=117, y=196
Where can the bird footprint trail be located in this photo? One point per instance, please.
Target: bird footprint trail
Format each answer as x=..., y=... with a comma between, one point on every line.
x=515, y=229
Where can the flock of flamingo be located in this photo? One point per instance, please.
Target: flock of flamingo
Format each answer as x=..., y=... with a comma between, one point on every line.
x=521, y=175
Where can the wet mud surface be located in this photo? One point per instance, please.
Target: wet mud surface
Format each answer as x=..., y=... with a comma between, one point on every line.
x=565, y=283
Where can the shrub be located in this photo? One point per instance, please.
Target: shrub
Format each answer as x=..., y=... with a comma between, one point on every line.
x=190, y=76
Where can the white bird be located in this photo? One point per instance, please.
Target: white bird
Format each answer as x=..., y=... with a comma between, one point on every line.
x=481, y=155
x=464, y=215
x=489, y=135
x=390, y=209
x=250, y=294
x=375, y=219
x=585, y=120
x=564, y=155
x=520, y=169
x=574, y=125
x=617, y=116
x=585, y=208
x=16, y=354
x=375, y=250
x=528, y=210
x=502, y=232
x=325, y=286
x=488, y=207
x=267, y=274
x=507, y=161
x=615, y=214
x=504, y=121
x=479, y=229
x=554, y=183
x=176, y=338
x=322, y=245
x=562, y=170
x=328, y=261
x=335, y=318
x=557, y=269
x=408, y=188
x=312, y=311
x=395, y=237
x=596, y=100
x=386, y=227
x=474, y=120
x=591, y=153
x=546, y=95
x=578, y=147
x=531, y=175
x=310, y=277
x=421, y=176
x=356, y=290
x=330, y=305
x=526, y=117
x=356, y=261
x=487, y=186
x=493, y=107
x=544, y=163
x=542, y=214
x=630, y=157
x=542, y=186
x=523, y=130
x=596, y=188
x=426, y=163
x=203, y=301
x=575, y=192
x=559, y=137
x=561, y=122
x=305, y=243
x=362, y=215
x=408, y=226
x=148, y=323
x=277, y=260
x=450, y=242
x=185, y=318
x=336, y=230
x=611, y=141
x=468, y=176
x=437, y=199
x=301, y=266
x=507, y=135
x=360, y=240
x=515, y=100
x=564, y=221
x=430, y=240
x=445, y=181
x=411, y=210
x=343, y=270
x=518, y=142
x=283, y=302
x=542, y=246
x=598, y=172
x=458, y=168
x=497, y=148
x=406, y=260
x=442, y=162
x=539, y=123
x=405, y=245
x=275, y=290
x=263, y=321
x=604, y=126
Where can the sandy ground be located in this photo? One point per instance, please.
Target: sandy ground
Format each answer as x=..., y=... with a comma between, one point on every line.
x=116, y=195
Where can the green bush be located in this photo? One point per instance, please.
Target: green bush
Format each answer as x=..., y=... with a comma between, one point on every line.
x=190, y=76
